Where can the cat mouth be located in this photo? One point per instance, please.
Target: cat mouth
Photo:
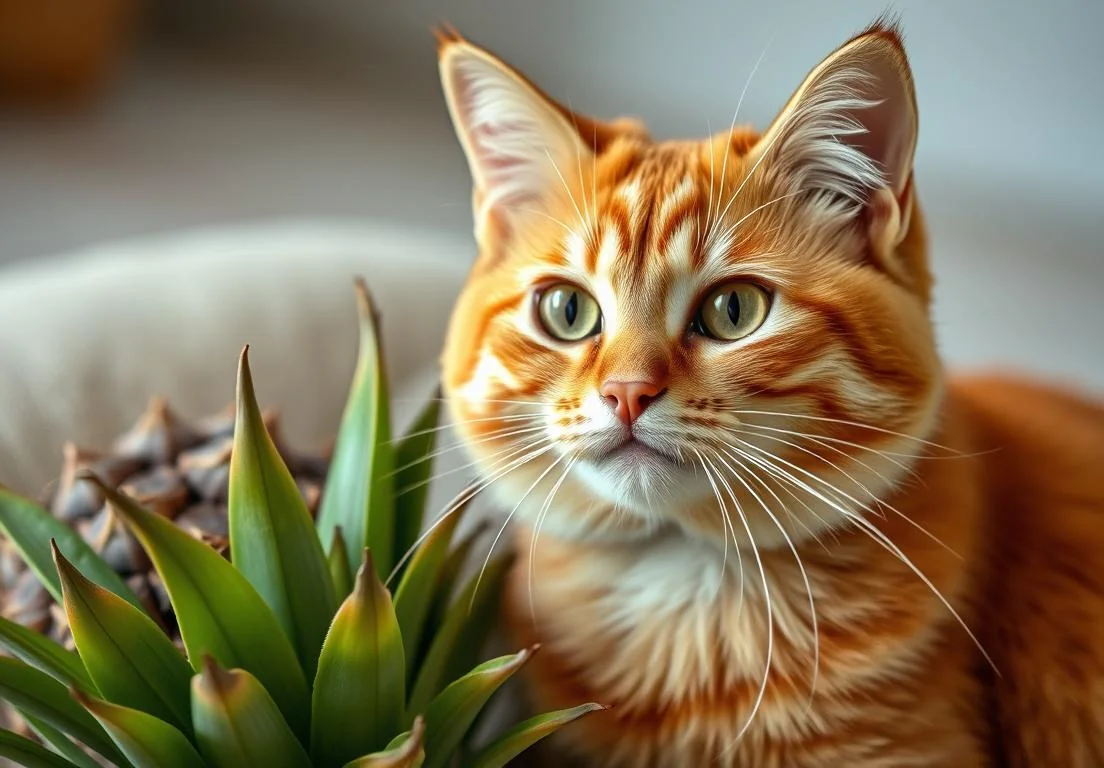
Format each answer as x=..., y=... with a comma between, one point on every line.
x=637, y=452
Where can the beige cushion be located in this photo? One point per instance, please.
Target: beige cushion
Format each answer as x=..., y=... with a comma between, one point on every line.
x=86, y=338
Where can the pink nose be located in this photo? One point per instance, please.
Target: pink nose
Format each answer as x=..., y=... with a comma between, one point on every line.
x=629, y=398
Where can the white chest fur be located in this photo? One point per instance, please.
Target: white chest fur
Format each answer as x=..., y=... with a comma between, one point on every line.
x=681, y=619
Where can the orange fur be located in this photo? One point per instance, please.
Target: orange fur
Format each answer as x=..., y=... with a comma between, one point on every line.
x=926, y=545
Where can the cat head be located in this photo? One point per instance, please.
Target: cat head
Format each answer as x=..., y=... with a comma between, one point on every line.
x=728, y=335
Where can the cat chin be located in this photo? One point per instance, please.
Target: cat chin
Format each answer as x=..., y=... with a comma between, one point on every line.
x=651, y=489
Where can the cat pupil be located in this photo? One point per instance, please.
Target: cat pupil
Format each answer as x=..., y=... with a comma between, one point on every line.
x=571, y=309
x=733, y=307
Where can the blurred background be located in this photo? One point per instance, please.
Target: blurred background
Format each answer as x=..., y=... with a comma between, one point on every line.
x=218, y=119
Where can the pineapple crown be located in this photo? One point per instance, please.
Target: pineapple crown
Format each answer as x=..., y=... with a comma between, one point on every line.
x=272, y=636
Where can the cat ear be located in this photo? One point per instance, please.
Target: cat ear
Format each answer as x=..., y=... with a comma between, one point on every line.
x=848, y=134
x=520, y=146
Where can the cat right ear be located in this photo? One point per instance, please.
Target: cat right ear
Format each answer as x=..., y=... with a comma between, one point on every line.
x=520, y=147
x=846, y=138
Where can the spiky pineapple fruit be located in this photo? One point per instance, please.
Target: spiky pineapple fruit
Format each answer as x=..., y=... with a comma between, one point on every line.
x=176, y=468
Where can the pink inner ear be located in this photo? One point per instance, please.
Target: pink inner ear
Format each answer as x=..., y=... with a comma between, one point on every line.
x=505, y=172
x=889, y=125
x=485, y=137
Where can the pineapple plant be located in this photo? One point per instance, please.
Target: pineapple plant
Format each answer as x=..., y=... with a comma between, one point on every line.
x=210, y=598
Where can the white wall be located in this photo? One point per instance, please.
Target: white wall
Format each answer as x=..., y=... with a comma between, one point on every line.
x=1009, y=162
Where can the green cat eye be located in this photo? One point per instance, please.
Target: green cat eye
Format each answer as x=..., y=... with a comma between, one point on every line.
x=568, y=313
x=732, y=311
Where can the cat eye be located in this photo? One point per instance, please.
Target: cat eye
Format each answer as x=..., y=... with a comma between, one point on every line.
x=568, y=313
x=732, y=311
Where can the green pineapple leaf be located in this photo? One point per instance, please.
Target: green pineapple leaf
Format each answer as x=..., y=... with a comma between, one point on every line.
x=44, y=654
x=23, y=751
x=361, y=676
x=524, y=735
x=339, y=565
x=446, y=587
x=405, y=751
x=130, y=659
x=147, y=741
x=45, y=699
x=413, y=467
x=61, y=743
x=237, y=724
x=359, y=491
x=414, y=596
x=219, y=612
x=30, y=528
x=462, y=634
x=452, y=712
x=273, y=542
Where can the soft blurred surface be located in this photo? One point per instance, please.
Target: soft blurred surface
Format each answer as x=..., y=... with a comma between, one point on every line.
x=228, y=111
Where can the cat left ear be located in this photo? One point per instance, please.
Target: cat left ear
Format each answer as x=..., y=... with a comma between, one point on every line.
x=519, y=145
x=848, y=135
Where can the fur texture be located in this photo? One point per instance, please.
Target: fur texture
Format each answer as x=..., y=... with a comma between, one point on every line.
x=810, y=547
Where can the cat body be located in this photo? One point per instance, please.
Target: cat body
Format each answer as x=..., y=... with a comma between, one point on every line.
x=755, y=516
x=658, y=632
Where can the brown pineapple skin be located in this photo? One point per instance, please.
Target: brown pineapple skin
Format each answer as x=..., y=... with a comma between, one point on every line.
x=176, y=468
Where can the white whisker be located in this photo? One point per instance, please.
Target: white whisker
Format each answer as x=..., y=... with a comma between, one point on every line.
x=732, y=129
x=732, y=229
x=525, y=209
x=797, y=559
x=541, y=515
x=506, y=522
x=893, y=458
x=584, y=222
x=769, y=607
x=726, y=520
x=466, y=495
x=579, y=167
x=459, y=445
x=845, y=422
x=880, y=537
x=702, y=232
x=876, y=500
x=452, y=424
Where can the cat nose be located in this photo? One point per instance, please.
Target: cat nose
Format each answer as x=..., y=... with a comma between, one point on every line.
x=628, y=399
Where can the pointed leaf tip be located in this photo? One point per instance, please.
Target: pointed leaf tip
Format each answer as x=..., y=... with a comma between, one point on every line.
x=237, y=723
x=273, y=541
x=405, y=751
x=452, y=712
x=339, y=565
x=214, y=676
x=245, y=375
x=364, y=572
x=524, y=735
x=359, y=489
x=361, y=676
x=366, y=307
x=147, y=741
x=128, y=657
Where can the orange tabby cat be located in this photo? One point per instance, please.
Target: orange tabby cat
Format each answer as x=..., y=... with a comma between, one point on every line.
x=760, y=521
